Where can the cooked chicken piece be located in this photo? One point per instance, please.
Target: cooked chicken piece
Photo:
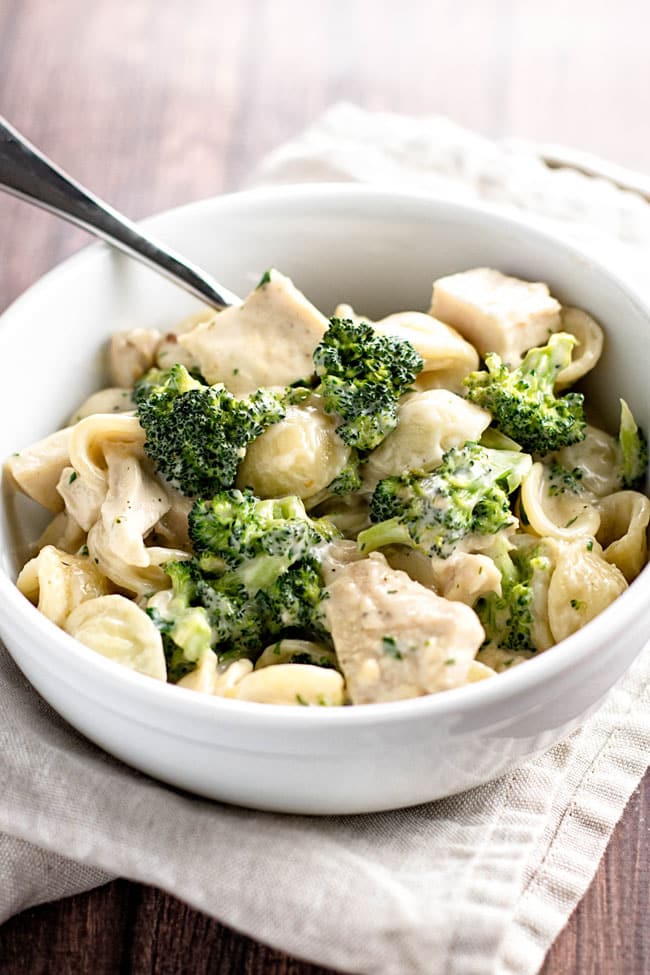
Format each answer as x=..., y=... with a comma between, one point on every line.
x=131, y=353
x=169, y=350
x=496, y=313
x=394, y=639
x=266, y=341
x=37, y=469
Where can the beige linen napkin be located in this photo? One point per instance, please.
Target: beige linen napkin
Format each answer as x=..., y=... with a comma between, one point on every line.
x=479, y=884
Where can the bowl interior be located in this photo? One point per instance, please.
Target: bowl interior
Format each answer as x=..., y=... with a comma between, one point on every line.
x=379, y=251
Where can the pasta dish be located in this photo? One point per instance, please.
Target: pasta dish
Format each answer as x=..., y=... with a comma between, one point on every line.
x=275, y=507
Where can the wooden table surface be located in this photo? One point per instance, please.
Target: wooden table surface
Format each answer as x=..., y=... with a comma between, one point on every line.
x=155, y=103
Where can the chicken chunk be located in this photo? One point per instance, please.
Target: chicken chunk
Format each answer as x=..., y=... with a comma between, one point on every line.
x=394, y=639
x=496, y=313
x=266, y=341
x=131, y=354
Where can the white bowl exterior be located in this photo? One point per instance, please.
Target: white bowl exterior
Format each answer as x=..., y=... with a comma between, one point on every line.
x=380, y=251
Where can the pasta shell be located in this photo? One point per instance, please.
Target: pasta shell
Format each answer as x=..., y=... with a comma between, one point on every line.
x=291, y=684
x=118, y=629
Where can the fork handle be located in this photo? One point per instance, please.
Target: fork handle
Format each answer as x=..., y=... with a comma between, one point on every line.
x=26, y=173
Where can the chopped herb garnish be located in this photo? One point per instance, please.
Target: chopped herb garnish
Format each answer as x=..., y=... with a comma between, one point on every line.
x=389, y=643
x=265, y=279
x=578, y=605
x=73, y=477
x=300, y=699
x=450, y=661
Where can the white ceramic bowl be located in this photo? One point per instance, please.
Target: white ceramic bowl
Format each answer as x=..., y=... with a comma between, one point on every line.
x=380, y=251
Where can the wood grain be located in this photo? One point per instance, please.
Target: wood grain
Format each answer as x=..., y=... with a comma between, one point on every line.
x=153, y=104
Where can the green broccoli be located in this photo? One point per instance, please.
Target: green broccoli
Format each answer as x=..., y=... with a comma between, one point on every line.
x=509, y=619
x=254, y=578
x=184, y=627
x=362, y=376
x=294, y=602
x=255, y=540
x=467, y=494
x=197, y=434
x=633, y=447
x=349, y=478
x=522, y=401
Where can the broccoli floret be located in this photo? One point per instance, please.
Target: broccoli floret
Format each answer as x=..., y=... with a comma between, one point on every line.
x=522, y=401
x=197, y=434
x=633, y=449
x=467, y=494
x=362, y=376
x=256, y=540
x=509, y=619
x=184, y=627
x=294, y=601
x=255, y=577
x=349, y=478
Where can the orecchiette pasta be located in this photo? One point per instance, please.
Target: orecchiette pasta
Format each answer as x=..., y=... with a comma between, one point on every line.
x=465, y=577
x=117, y=628
x=448, y=358
x=113, y=399
x=36, y=470
x=590, y=345
x=58, y=582
x=291, y=684
x=63, y=532
x=583, y=584
x=565, y=516
x=428, y=425
x=490, y=532
x=624, y=518
x=300, y=455
x=211, y=677
x=597, y=458
x=90, y=437
x=297, y=651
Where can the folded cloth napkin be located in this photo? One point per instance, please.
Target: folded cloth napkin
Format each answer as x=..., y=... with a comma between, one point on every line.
x=479, y=884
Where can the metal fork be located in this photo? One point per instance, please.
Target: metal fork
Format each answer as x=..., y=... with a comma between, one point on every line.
x=28, y=174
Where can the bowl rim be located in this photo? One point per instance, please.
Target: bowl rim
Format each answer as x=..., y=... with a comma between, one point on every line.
x=17, y=612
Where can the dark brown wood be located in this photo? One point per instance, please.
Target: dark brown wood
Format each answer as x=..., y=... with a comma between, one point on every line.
x=153, y=104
